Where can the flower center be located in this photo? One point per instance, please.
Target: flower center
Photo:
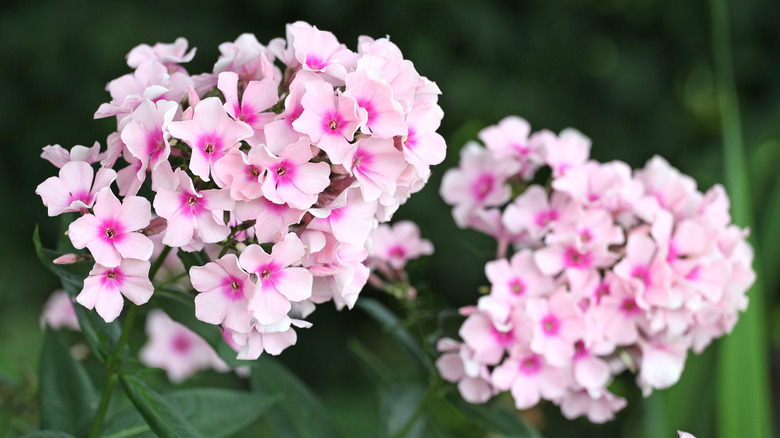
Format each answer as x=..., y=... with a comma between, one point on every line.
x=111, y=275
x=192, y=201
x=281, y=170
x=265, y=274
x=333, y=125
x=235, y=285
x=209, y=148
x=254, y=171
x=550, y=325
x=110, y=233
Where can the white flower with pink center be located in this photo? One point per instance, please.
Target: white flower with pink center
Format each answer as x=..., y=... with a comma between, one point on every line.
x=320, y=51
x=73, y=189
x=279, y=283
x=480, y=181
x=225, y=290
x=384, y=116
x=146, y=135
x=558, y=324
x=257, y=97
x=329, y=120
x=566, y=151
x=511, y=138
x=377, y=166
x=105, y=286
x=398, y=244
x=176, y=349
x=529, y=377
x=58, y=156
x=192, y=214
x=537, y=212
x=169, y=54
x=458, y=366
x=271, y=220
x=110, y=233
x=211, y=133
x=423, y=146
x=290, y=177
x=239, y=173
x=349, y=217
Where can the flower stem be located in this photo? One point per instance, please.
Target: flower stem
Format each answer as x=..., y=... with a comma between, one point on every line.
x=114, y=359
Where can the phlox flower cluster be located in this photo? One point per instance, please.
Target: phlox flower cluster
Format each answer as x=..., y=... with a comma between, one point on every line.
x=278, y=165
x=610, y=269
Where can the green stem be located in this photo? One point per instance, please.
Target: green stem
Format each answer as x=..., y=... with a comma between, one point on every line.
x=114, y=359
x=743, y=398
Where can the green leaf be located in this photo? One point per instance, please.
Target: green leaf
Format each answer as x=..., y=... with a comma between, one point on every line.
x=400, y=402
x=299, y=414
x=182, y=310
x=67, y=396
x=190, y=259
x=101, y=336
x=48, y=434
x=493, y=417
x=216, y=413
x=162, y=417
x=394, y=326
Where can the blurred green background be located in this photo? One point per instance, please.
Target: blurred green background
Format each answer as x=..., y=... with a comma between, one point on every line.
x=635, y=76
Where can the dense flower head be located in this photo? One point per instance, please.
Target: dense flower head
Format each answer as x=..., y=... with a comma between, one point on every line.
x=599, y=269
x=276, y=167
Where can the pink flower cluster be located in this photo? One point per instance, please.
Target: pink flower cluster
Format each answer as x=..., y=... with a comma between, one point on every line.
x=279, y=163
x=611, y=270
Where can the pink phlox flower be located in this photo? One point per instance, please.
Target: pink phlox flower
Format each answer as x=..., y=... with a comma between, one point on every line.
x=490, y=339
x=343, y=278
x=530, y=378
x=597, y=185
x=104, y=287
x=569, y=255
x=715, y=207
x=518, y=279
x=510, y=139
x=329, y=120
x=279, y=282
x=58, y=156
x=170, y=55
x=291, y=178
x=377, y=165
x=558, y=325
x=618, y=316
x=423, y=146
x=257, y=97
x=189, y=211
x=681, y=239
x=272, y=339
x=457, y=366
x=589, y=371
x=225, y=290
x=385, y=57
x=211, y=134
x=490, y=221
x=645, y=265
x=151, y=81
x=537, y=212
x=73, y=190
x=280, y=132
x=480, y=181
x=110, y=233
x=588, y=229
x=146, y=135
x=320, y=51
x=241, y=174
x=568, y=150
x=662, y=363
x=374, y=96
x=114, y=149
x=247, y=57
x=176, y=349
x=349, y=217
x=58, y=312
x=666, y=188
x=272, y=220
x=599, y=408
x=398, y=244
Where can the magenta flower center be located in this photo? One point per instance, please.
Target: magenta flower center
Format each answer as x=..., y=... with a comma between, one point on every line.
x=629, y=306
x=575, y=259
x=530, y=365
x=209, y=148
x=181, y=343
x=110, y=233
x=641, y=273
x=281, y=170
x=483, y=186
x=254, y=171
x=397, y=252
x=517, y=287
x=192, y=201
x=333, y=125
x=550, y=325
x=111, y=275
x=265, y=274
x=235, y=285
x=545, y=217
